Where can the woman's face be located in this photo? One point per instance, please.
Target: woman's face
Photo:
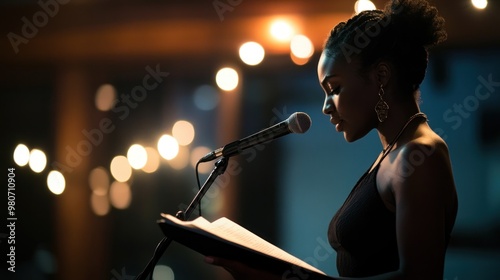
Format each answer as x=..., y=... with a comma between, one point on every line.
x=350, y=98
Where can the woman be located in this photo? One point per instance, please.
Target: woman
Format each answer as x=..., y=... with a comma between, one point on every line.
x=397, y=220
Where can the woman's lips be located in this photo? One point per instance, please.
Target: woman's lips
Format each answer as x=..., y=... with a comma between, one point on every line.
x=338, y=124
x=339, y=127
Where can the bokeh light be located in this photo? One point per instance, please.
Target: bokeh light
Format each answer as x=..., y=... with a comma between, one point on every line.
x=137, y=156
x=37, y=161
x=184, y=132
x=99, y=204
x=301, y=46
x=120, y=169
x=364, y=5
x=153, y=161
x=196, y=154
x=281, y=30
x=99, y=181
x=251, y=53
x=480, y=4
x=120, y=195
x=298, y=60
x=206, y=97
x=168, y=147
x=105, y=97
x=181, y=160
x=227, y=79
x=163, y=272
x=21, y=155
x=56, y=182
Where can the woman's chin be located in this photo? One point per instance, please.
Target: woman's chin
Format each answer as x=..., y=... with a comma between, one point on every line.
x=350, y=137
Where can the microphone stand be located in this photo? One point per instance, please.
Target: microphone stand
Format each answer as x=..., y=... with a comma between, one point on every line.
x=219, y=169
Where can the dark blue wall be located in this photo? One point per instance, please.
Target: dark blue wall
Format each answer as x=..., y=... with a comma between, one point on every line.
x=319, y=168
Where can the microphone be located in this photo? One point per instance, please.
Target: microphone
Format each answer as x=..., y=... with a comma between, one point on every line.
x=297, y=123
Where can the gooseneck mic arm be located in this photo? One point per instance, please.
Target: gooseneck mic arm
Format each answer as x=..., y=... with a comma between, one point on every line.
x=219, y=169
x=297, y=123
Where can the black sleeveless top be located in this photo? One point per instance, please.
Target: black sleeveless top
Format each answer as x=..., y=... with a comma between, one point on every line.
x=363, y=232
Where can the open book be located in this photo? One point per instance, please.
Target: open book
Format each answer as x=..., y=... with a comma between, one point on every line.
x=225, y=238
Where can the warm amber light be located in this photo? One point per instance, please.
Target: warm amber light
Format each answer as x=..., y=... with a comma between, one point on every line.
x=298, y=60
x=301, y=46
x=281, y=30
x=120, y=195
x=21, y=155
x=99, y=204
x=251, y=53
x=56, y=182
x=196, y=154
x=479, y=4
x=183, y=131
x=227, y=79
x=37, y=161
x=168, y=147
x=137, y=156
x=105, y=97
x=364, y=5
x=99, y=181
x=181, y=160
x=153, y=161
x=120, y=169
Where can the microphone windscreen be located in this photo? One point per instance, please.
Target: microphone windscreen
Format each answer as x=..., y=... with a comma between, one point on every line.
x=299, y=122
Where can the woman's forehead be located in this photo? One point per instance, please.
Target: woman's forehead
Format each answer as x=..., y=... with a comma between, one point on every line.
x=332, y=65
x=326, y=64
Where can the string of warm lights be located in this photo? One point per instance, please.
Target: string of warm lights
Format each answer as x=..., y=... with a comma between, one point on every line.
x=175, y=148
x=479, y=4
x=111, y=186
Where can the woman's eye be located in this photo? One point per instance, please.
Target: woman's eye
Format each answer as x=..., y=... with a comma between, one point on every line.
x=335, y=90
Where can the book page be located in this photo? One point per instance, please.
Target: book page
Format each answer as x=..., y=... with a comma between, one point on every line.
x=231, y=231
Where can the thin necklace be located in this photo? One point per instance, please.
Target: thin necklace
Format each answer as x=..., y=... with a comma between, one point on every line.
x=389, y=147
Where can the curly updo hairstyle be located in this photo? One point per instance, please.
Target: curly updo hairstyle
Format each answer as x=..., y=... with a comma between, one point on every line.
x=402, y=33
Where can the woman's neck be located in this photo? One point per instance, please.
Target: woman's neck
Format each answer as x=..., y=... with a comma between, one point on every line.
x=399, y=114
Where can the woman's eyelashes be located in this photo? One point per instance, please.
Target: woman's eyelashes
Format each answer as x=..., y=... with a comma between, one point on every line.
x=334, y=90
x=331, y=88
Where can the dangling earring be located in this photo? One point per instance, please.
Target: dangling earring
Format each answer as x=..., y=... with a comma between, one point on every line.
x=381, y=108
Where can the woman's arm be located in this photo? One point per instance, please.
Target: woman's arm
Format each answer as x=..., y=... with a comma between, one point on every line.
x=421, y=188
x=420, y=193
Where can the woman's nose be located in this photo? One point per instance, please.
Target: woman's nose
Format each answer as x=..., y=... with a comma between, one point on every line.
x=329, y=105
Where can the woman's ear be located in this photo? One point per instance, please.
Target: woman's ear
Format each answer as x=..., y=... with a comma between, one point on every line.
x=383, y=72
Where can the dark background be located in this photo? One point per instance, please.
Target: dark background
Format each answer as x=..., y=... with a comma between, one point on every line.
x=286, y=193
